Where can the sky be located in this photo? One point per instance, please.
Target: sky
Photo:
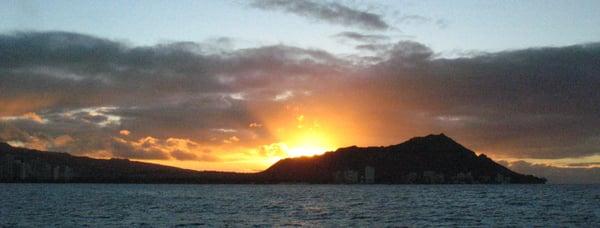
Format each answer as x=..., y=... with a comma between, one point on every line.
x=236, y=85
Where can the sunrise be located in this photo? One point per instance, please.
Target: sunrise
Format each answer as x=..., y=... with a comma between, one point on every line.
x=303, y=107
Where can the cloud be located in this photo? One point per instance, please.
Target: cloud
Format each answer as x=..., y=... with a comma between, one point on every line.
x=92, y=118
x=183, y=156
x=232, y=139
x=160, y=90
x=413, y=18
x=418, y=20
x=530, y=103
x=62, y=140
x=557, y=175
x=331, y=12
x=275, y=149
x=518, y=102
x=359, y=37
x=584, y=164
x=254, y=125
x=442, y=23
x=376, y=48
x=143, y=149
x=32, y=116
x=159, y=149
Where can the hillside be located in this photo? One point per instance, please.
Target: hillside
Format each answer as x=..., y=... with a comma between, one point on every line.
x=25, y=165
x=433, y=159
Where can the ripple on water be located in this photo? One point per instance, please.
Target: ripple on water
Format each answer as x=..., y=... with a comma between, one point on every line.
x=298, y=205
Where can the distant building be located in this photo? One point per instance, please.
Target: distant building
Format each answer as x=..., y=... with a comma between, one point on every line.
x=351, y=177
x=56, y=173
x=501, y=179
x=68, y=174
x=7, y=168
x=347, y=177
x=485, y=179
x=16, y=169
x=431, y=177
x=463, y=178
x=411, y=178
x=22, y=168
x=369, y=175
x=428, y=177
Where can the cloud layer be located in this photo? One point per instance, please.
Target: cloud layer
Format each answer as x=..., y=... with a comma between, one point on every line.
x=558, y=175
x=331, y=12
x=93, y=96
x=359, y=37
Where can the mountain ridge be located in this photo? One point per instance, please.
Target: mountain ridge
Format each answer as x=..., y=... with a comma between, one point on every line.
x=431, y=159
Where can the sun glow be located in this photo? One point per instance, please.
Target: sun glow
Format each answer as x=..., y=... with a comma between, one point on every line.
x=302, y=131
x=308, y=143
x=306, y=151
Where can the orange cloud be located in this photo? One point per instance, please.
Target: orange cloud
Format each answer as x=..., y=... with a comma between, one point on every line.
x=150, y=148
x=62, y=140
x=32, y=116
x=24, y=104
x=254, y=125
x=231, y=139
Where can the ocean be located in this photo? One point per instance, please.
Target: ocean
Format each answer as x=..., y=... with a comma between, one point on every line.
x=102, y=205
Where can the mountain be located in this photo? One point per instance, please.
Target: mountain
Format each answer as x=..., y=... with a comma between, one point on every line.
x=25, y=165
x=433, y=159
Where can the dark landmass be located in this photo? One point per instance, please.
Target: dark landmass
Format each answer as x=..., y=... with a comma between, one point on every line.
x=433, y=159
x=25, y=165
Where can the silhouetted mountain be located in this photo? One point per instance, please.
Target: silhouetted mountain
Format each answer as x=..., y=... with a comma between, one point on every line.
x=429, y=159
x=434, y=159
x=25, y=165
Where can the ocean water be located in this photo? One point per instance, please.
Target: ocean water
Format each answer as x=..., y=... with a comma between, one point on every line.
x=68, y=205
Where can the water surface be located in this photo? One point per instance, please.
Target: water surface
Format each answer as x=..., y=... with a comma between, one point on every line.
x=313, y=205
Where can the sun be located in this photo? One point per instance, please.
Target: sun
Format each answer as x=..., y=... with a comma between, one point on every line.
x=309, y=143
x=307, y=150
x=304, y=134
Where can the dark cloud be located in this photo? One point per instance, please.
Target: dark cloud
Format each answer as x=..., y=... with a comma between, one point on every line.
x=91, y=88
x=91, y=118
x=75, y=93
x=519, y=102
x=405, y=52
x=372, y=47
x=190, y=118
x=359, y=37
x=377, y=49
x=66, y=70
x=331, y=12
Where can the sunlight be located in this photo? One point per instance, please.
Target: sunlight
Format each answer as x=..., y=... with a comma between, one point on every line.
x=306, y=151
x=309, y=143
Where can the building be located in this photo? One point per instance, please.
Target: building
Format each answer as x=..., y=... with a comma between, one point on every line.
x=16, y=169
x=501, y=179
x=6, y=168
x=350, y=177
x=369, y=177
x=431, y=177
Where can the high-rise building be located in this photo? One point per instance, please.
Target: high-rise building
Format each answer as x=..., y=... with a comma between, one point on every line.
x=369, y=175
